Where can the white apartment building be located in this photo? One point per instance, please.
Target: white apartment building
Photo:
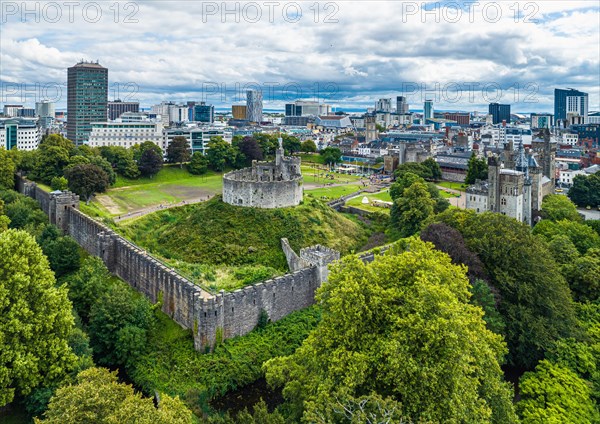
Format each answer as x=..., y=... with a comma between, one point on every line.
x=570, y=139
x=566, y=176
x=19, y=133
x=501, y=135
x=126, y=134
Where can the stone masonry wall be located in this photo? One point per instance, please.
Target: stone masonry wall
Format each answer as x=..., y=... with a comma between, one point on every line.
x=261, y=194
x=211, y=317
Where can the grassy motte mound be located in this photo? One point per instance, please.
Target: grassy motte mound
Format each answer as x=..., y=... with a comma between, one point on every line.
x=216, y=233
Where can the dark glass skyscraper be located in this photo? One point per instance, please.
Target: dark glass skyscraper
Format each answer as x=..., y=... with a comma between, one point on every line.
x=499, y=113
x=87, y=99
x=569, y=100
x=204, y=113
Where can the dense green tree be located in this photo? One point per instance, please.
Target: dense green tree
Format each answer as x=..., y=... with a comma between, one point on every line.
x=119, y=323
x=553, y=394
x=400, y=328
x=76, y=160
x=53, y=156
x=268, y=143
x=219, y=154
x=582, y=236
x=586, y=190
x=87, y=285
x=556, y=207
x=121, y=160
x=24, y=213
x=563, y=250
x=99, y=398
x=423, y=171
x=403, y=182
x=35, y=319
x=410, y=211
x=63, y=255
x=477, y=169
x=434, y=168
x=583, y=276
x=59, y=183
x=250, y=149
x=593, y=224
x=535, y=300
x=178, y=151
x=138, y=149
x=87, y=180
x=291, y=144
x=308, y=146
x=106, y=167
x=331, y=155
x=150, y=162
x=198, y=164
x=4, y=220
x=7, y=170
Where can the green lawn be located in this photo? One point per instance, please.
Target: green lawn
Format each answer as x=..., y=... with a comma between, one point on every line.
x=321, y=175
x=171, y=185
x=383, y=196
x=451, y=184
x=331, y=193
x=447, y=195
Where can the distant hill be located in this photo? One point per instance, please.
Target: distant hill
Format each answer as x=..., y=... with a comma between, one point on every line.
x=217, y=233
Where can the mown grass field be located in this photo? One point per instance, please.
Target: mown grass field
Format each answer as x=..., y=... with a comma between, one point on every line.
x=172, y=185
x=451, y=184
x=330, y=193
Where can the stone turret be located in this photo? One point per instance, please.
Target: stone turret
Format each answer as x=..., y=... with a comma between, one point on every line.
x=320, y=257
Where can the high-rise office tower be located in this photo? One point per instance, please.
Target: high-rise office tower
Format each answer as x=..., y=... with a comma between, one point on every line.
x=499, y=113
x=44, y=109
x=87, y=99
x=401, y=105
x=254, y=105
x=204, y=113
x=428, y=109
x=383, y=105
x=118, y=108
x=569, y=101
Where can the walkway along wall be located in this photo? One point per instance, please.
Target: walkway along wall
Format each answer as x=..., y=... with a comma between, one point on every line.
x=211, y=317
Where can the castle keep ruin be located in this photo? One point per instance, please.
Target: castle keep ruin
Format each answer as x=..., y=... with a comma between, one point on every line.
x=267, y=185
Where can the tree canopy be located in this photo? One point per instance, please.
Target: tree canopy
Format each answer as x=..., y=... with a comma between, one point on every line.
x=87, y=180
x=35, y=318
x=477, y=169
x=99, y=398
x=331, y=155
x=178, y=150
x=553, y=394
x=7, y=170
x=586, y=190
x=401, y=329
x=535, y=300
x=410, y=211
x=556, y=207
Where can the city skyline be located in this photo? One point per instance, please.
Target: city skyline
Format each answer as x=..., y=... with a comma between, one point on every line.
x=369, y=53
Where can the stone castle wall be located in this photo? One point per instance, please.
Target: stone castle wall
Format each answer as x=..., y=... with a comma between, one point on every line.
x=211, y=317
x=260, y=194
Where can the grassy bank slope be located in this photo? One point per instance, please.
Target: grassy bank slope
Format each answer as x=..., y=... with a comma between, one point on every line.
x=216, y=233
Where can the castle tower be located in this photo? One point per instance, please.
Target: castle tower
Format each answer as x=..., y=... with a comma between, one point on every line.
x=494, y=183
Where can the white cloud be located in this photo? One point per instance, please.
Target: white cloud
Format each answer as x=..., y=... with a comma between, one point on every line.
x=371, y=50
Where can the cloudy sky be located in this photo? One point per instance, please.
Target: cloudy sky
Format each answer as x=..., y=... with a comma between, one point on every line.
x=348, y=53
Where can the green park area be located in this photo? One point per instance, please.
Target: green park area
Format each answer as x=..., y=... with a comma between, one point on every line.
x=452, y=185
x=375, y=201
x=173, y=185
